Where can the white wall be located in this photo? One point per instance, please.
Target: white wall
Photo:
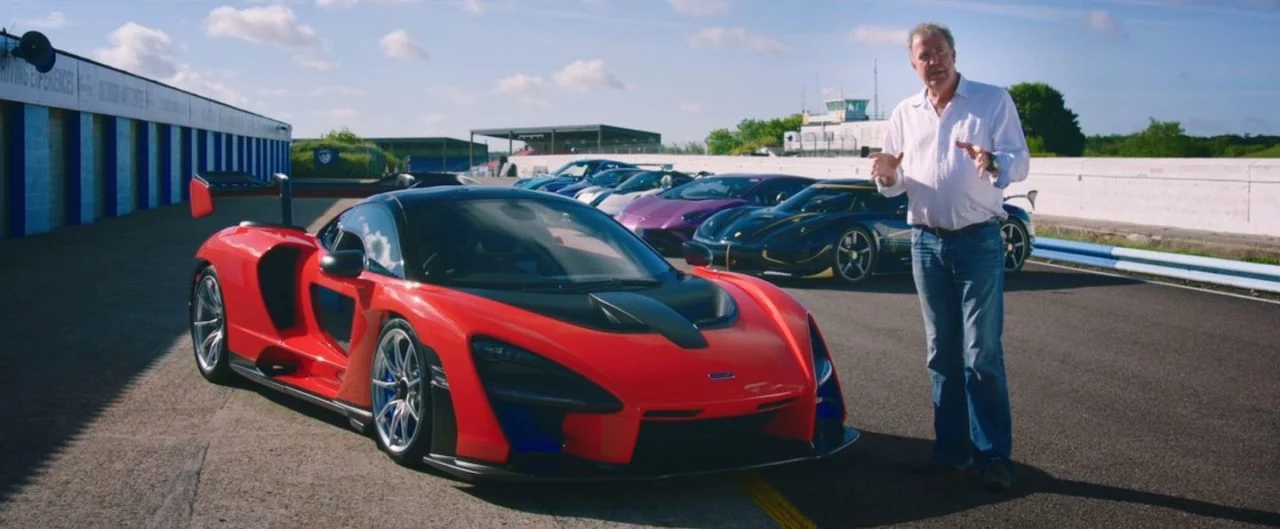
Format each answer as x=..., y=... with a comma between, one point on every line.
x=1227, y=195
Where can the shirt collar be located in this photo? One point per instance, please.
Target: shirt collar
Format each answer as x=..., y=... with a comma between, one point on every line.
x=962, y=90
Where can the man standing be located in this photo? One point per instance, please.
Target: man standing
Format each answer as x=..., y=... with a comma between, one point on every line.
x=953, y=148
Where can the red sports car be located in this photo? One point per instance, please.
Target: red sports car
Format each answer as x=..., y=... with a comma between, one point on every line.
x=499, y=333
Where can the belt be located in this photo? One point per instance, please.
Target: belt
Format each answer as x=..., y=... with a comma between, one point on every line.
x=960, y=231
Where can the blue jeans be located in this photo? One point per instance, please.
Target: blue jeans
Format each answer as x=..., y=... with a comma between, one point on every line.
x=960, y=281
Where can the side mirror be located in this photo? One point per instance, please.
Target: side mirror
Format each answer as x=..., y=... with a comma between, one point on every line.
x=343, y=263
x=696, y=254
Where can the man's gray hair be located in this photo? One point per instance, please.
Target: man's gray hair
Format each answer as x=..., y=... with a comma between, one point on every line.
x=931, y=28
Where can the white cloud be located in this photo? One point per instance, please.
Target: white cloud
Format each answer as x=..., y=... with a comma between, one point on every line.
x=737, y=38
x=699, y=8
x=337, y=89
x=690, y=106
x=340, y=114
x=453, y=94
x=53, y=20
x=878, y=35
x=313, y=63
x=334, y=4
x=1102, y=21
x=274, y=25
x=587, y=75
x=519, y=84
x=398, y=45
x=533, y=102
x=149, y=52
x=277, y=92
x=473, y=6
x=431, y=123
x=1096, y=20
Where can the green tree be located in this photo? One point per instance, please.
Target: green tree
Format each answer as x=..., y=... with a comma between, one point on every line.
x=752, y=134
x=1045, y=116
x=1163, y=139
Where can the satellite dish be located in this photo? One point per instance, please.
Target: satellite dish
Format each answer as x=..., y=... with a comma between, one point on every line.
x=35, y=48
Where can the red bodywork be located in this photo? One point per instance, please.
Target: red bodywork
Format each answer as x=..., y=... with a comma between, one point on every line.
x=768, y=349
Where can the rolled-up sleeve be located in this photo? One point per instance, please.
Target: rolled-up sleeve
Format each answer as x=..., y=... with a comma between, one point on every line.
x=893, y=145
x=1009, y=144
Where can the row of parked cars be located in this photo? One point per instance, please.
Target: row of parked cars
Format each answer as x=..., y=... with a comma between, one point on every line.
x=841, y=229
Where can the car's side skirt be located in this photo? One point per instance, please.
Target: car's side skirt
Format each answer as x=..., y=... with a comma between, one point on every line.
x=245, y=368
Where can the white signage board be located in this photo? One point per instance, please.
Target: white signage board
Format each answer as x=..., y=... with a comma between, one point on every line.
x=75, y=84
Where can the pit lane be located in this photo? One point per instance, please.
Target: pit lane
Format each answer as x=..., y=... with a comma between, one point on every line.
x=1134, y=405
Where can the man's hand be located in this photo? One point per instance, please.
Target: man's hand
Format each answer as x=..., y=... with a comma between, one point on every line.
x=884, y=168
x=981, y=159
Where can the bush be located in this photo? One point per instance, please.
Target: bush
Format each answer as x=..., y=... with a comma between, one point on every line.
x=357, y=158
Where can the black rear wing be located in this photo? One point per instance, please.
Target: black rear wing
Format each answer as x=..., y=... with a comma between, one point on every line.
x=205, y=186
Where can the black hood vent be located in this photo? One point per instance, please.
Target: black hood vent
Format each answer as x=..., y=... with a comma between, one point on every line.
x=678, y=310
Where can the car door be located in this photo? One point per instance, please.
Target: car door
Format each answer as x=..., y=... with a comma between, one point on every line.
x=339, y=304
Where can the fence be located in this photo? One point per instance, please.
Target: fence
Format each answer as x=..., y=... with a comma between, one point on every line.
x=1208, y=270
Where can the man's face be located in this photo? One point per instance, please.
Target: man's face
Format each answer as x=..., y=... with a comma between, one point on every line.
x=933, y=60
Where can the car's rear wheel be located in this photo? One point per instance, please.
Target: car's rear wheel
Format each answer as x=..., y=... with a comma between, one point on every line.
x=854, y=256
x=1017, y=245
x=208, y=325
x=400, y=382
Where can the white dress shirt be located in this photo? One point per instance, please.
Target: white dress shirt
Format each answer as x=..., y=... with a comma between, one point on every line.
x=944, y=188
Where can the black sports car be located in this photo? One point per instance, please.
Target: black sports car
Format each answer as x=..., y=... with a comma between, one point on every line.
x=841, y=228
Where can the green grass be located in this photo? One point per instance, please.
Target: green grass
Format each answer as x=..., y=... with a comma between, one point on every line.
x=1252, y=255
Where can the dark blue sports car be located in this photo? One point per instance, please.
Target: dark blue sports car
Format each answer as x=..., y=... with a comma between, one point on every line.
x=840, y=228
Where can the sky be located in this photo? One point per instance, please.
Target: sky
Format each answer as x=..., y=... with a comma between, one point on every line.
x=678, y=67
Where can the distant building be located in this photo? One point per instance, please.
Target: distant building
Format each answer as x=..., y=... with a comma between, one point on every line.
x=845, y=130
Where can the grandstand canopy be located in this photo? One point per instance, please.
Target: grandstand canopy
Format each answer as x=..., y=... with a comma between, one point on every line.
x=566, y=139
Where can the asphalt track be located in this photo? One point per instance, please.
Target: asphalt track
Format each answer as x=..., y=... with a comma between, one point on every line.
x=1135, y=405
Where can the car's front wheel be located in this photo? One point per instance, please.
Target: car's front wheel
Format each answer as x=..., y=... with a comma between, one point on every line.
x=208, y=324
x=401, y=393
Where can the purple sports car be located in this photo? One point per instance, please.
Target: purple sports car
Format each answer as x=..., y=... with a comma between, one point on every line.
x=669, y=218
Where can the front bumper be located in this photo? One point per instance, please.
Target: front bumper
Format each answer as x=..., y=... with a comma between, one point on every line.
x=799, y=258
x=665, y=240
x=654, y=462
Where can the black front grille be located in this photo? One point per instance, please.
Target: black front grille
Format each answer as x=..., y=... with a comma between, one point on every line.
x=708, y=442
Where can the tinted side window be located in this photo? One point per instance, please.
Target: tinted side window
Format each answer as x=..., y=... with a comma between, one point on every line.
x=791, y=187
x=375, y=230
x=878, y=203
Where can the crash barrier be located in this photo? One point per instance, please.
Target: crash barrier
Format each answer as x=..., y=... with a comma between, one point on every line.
x=1209, y=270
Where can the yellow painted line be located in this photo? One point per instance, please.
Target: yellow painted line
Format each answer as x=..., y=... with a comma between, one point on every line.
x=773, y=503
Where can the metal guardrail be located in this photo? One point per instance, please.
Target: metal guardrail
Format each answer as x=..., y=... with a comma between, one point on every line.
x=1210, y=270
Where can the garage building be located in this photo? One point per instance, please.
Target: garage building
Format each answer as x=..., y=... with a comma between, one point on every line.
x=83, y=141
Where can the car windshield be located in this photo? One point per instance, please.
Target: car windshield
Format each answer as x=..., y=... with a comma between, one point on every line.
x=572, y=170
x=832, y=198
x=820, y=199
x=529, y=244
x=612, y=177
x=712, y=187
x=640, y=182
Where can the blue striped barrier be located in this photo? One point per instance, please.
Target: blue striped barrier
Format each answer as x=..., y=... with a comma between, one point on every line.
x=1210, y=270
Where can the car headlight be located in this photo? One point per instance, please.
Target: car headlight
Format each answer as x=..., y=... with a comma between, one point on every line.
x=514, y=374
